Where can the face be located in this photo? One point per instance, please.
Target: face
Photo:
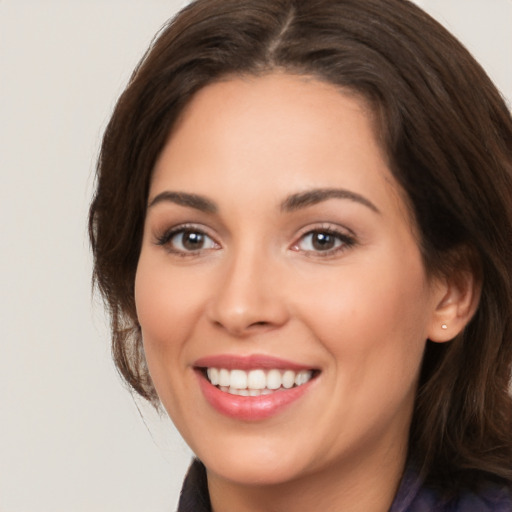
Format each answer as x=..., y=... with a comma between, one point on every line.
x=280, y=290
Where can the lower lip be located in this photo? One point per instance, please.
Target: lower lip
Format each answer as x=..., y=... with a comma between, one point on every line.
x=250, y=408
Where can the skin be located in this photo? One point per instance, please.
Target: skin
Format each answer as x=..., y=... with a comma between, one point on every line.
x=360, y=313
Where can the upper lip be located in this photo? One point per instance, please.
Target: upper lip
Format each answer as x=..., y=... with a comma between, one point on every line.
x=248, y=362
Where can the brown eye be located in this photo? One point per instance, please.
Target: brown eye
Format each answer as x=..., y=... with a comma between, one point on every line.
x=187, y=240
x=323, y=242
x=319, y=241
x=192, y=241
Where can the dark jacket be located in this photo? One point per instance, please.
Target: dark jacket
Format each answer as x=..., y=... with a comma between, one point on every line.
x=411, y=496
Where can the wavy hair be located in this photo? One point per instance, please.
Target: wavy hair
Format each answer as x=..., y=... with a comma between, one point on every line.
x=447, y=134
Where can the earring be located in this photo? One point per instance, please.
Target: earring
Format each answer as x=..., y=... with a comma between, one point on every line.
x=444, y=326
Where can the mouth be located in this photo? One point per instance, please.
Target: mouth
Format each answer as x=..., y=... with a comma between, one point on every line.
x=258, y=381
x=254, y=387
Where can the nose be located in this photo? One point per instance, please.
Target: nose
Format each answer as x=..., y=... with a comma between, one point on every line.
x=250, y=296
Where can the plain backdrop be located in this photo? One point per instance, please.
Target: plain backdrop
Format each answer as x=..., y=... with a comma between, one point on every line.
x=71, y=436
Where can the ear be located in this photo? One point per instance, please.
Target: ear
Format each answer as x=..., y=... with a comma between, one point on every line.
x=455, y=299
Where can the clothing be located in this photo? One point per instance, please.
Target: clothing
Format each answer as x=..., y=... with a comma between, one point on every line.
x=194, y=493
x=411, y=496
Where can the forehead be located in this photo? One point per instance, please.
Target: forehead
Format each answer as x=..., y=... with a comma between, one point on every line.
x=270, y=112
x=274, y=134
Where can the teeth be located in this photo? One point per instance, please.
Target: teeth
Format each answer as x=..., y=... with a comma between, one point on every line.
x=238, y=379
x=274, y=380
x=288, y=379
x=256, y=379
x=256, y=382
x=224, y=378
x=302, y=377
x=213, y=375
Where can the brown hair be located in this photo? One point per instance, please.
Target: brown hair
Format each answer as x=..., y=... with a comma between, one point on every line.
x=448, y=136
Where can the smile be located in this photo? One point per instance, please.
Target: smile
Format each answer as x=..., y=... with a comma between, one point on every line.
x=255, y=387
x=256, y=382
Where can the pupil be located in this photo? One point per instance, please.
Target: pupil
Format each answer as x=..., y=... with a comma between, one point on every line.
x=193, y=241
x=323, y=241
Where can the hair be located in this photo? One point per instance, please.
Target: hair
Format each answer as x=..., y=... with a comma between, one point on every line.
x=447, y=134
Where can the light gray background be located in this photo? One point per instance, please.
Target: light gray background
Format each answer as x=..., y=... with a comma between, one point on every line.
x=71, y=438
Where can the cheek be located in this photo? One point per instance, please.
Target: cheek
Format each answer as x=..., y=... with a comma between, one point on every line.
x=373, y=321
x=166, y=310
x=166, y=299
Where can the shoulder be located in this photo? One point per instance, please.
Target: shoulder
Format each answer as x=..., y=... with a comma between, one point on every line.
x=194, y=495
x=492, y=498
x=414, y=496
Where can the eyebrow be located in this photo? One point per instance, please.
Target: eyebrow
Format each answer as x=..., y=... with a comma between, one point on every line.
x=290, y=204
x=315, y=196
x=184, y=199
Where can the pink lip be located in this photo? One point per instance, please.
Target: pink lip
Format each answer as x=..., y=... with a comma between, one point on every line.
x=250, y=408
x=251, y=362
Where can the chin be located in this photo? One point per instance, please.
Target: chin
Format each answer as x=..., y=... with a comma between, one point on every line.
x=251, y=472
x=249, y=460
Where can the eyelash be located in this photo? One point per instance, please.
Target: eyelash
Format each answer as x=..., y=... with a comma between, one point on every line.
x=165, y=239
x=343, y=240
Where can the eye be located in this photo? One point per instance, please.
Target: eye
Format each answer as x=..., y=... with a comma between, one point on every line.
x=323, y=241
x=185, y=240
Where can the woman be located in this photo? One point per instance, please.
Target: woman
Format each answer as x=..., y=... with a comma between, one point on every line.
x=303, y=230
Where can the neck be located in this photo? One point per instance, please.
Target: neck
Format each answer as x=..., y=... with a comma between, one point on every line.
x=368, y=484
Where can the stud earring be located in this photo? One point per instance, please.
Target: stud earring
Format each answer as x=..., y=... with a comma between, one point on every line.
x=444, y=326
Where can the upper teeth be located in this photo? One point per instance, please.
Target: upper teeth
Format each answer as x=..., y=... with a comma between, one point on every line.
x=257, y=379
